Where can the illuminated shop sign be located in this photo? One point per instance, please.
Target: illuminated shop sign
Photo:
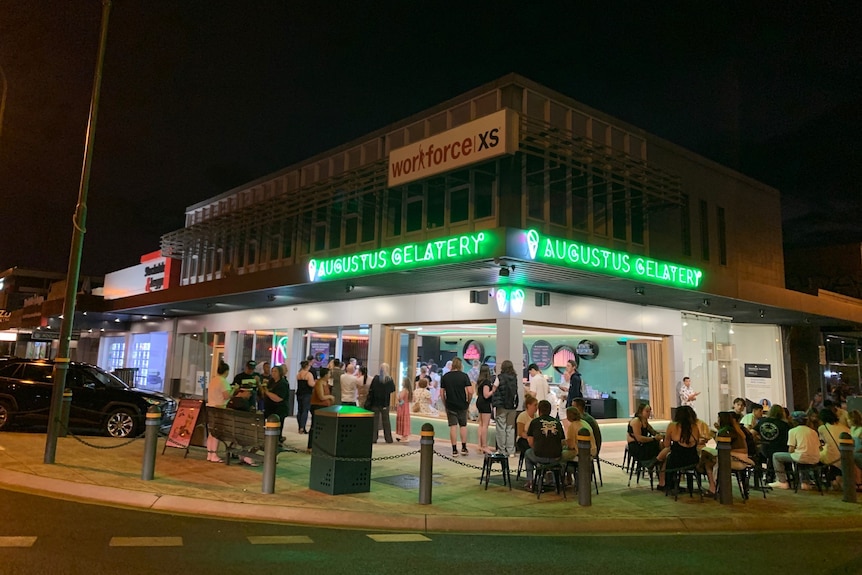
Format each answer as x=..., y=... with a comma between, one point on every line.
x=488, y=137
x=506, y=299
x=569, y=253
x=405, y=257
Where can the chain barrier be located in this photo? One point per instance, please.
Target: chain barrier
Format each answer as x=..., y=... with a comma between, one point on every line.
x=32, y=411
x=453, y=460
x=325, y=455
x=94, y=446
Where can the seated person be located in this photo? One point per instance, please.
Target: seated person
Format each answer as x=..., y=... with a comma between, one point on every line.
x=644, y=442
x=803, y=446
x=749, y=420
x=531, y=405
x=772, y=431
x=242, y=401
x=422, y=403
x=681, y=441
x=545, y=436
x=739, y=446
x=575, y=424
x=582, y=407
x=830, y=453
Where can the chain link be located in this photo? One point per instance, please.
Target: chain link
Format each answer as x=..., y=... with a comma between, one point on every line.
x=325, y=455
x=453, y=460
x=94, y=446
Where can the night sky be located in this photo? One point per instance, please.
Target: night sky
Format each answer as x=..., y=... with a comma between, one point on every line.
x=201, y=96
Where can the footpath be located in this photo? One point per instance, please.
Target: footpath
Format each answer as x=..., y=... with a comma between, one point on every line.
x=108, y=471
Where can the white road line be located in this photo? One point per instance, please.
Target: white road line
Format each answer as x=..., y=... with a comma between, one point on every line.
x=398, y=537
x=17, y=541
x=278, y=539
x=146, y=542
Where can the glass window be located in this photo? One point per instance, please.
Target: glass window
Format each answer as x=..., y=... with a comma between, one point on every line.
x=637, y=224
x=535, y=170
x=600, y=204
x=704, y=229
x=319, y=237
x=414, y=215
x=580, y=200
x=369, y=217
x=351, y=229
x=286, y=238
x=436, y=202
x=116, y=355
x=685, y=225
x=619, y=210
x=393, y=211
x=335, y=223
x=722, y=237
x=9, y=370
x=459, y=204
x=39, y=373
x=483, y=199
x=557, y=176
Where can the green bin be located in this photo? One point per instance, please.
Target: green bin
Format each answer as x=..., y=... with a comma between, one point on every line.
x=341, y=431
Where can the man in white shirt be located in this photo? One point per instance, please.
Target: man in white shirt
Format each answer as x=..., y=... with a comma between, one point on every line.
x=349, y=384
x=803, y=446
x=538, y=384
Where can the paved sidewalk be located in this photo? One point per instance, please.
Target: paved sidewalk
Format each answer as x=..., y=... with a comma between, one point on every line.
x=194, y=486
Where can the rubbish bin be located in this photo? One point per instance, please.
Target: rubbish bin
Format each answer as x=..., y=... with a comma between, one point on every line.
x=127, y=375
x=341, y=431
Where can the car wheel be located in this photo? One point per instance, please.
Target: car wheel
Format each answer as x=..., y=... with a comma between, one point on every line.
x=5, y=415
x=121, y=423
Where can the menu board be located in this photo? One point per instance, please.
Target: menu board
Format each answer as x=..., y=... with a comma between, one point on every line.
x=562, y=355
x=183, y=426
x=542, y=353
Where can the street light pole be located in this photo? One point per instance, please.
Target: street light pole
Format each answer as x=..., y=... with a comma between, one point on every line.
x=79, y=222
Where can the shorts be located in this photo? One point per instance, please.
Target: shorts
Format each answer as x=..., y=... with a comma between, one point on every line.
x=457, y=417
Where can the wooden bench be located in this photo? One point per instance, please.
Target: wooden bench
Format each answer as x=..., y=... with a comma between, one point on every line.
x=242, y=432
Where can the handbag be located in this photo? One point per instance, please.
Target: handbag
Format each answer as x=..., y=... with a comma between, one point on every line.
x=416, y=407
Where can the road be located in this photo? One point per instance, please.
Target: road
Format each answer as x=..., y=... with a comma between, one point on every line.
x=44, y=535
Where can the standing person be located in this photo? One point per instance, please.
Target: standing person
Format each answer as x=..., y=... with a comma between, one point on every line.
x=247, y=376
x=687, y=395
x=455, y=389
x=265, y=379
x=349, y=385
x=314, y=369
x=538, y=384
x=505, y=402
x=545, y=436
x=243, y=400
x=402, y=412
x=275, y=396
x=335, y=374
x=304, y=388
x=380, y=397
x=484, y=392
x=218, y=394
x=573, y=382
x=320, y=397
x=362, y=386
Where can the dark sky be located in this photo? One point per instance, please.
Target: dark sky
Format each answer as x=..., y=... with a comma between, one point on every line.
x=201, y=96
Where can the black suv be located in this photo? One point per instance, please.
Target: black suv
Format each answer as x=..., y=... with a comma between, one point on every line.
x=99, y=399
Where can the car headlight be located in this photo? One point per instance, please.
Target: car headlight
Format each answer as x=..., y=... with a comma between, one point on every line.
x=152, y=401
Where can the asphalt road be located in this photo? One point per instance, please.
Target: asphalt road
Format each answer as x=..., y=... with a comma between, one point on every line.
x=43, y=535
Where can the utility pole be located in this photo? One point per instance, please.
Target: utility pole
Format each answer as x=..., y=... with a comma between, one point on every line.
x=79, y=222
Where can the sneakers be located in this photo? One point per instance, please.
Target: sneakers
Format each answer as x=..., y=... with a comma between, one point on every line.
x=779, y=485
x=464, y=451
x=804, y=487
x=454, y=452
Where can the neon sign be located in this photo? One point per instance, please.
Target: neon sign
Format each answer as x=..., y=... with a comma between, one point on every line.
x=405, y=257
x=569, y=253
x=505, y=298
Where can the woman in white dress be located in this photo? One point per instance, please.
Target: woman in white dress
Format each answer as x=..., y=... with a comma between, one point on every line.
x=422, y=402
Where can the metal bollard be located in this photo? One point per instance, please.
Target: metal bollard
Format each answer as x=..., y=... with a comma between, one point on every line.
x=270, y=452
x=64, y=413
x=151, y=439
x=725, y=485
x=848, y=466
x=426, y=463
x=585, y=468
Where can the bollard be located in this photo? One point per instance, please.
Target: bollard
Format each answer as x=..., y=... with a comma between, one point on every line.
x=724, y=483
x=426, y=463
x=585, y=468
x=151, y=439
x=270, y=452
x=848, y=466
x=64, y=413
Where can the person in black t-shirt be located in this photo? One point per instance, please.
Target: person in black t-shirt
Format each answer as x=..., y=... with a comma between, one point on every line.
x=456, y=391
x=545, y=436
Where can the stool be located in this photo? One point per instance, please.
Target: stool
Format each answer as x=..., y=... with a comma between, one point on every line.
x=627, y=460
x=556, y=468
x=597, y=464
x=640, y=469
x=490, y=460
x=812, y=470
x=573, y=463
x=520, y=465
x=674, y=476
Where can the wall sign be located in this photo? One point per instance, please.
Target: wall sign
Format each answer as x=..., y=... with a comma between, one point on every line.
x=473, y=350
x=542, y=353
x=559, y=251
x=587, y=349
x=404, y=257
x=562, y=355
x=482, y=139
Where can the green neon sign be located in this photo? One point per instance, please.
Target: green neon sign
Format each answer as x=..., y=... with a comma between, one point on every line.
x=558, y=251
x=410, y=256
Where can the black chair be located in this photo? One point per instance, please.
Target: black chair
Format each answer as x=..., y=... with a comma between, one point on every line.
x=573, y=464
x=639, y=468
x=813, y=471
x=556, y=469
x=673, y=477
x=490, y=460
x=520, y=465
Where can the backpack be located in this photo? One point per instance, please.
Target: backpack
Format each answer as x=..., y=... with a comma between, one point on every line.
x=508, y=393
